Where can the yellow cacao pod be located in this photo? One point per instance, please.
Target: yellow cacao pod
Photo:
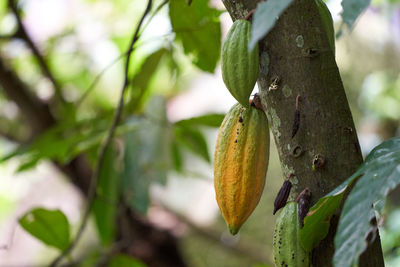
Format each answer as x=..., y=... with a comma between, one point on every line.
x=239, y=65
x=286, y=248
x=240, y=163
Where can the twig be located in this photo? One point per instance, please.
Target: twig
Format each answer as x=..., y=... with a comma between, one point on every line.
x=42, y=63
x=98, y=76
x=155, y=12
x=96, y=80
x=117, y=117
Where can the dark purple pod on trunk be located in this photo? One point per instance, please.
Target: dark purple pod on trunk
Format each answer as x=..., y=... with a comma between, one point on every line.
x=283, y=194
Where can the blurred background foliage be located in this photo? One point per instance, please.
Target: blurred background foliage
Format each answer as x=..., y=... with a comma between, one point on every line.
x=159, y=164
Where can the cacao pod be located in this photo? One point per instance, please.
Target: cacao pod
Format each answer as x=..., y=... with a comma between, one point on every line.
x=327, y=22
x=239, y=65
x=286, y=248
x=283, y=194
x=240, y=163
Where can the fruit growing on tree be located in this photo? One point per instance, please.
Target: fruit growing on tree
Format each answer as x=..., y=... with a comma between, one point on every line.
x=239, y=65
x=286, y=246
x=240, y=163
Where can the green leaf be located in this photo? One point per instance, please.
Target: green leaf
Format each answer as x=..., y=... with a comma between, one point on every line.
x=65, y=141
x=92, y=259
x=212, y=120
x=49, y=226
x=380, y=175
x=192, y=139
x=352, y=9
x=317, y=222
x=177, y=159
x=147, y=155
x=261, y=265
x=62, y=142
x=105, y=205
x=198, y=28
x=122, y=260
x=135, y=183
x=264, y=18
x=141, y=79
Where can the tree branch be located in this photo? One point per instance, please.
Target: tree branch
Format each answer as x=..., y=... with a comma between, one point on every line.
x=117, y=117
x=22, y=33
x=36, y=113
x=12, y=131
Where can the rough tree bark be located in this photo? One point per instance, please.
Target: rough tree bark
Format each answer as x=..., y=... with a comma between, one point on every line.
x=296, y=57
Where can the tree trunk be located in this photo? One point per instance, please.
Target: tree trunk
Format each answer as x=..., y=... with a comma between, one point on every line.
x=325, y=151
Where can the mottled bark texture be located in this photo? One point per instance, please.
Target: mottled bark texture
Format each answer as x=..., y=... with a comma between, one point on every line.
x=296, y=58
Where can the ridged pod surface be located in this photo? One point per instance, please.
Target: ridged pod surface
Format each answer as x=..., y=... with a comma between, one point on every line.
x=327, y=22
x=286, y=248
x=240, y=163
x=239, y=66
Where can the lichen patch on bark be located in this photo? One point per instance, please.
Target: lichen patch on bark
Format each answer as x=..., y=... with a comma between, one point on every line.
x=287, y=92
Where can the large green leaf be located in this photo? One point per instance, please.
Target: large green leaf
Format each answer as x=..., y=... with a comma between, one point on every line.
x=61, y=142
x=317, y=221
x=49, y=226
x=65, y=141
x=122, y=260
x=107, y=196
x=141, y=79
x=352, y=9
x=212, y=120
x=146, y=157
x=135, y=183
x=316, y=224
x=380, y=175
x=265, y=17
x=177, y=158
x=198, y=28
x=193, y=139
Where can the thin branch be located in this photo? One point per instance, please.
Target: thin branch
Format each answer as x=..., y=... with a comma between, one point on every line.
x=100, y=74
x=10, y=136
x=117, y=117
x=36, y=113
x=158, y=8
x=42, y=62
x=96, y=80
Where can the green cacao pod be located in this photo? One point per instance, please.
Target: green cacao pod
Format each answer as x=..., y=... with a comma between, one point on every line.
x=286, y=248
x=240, y=163
x=327, y=22
x=239, y=65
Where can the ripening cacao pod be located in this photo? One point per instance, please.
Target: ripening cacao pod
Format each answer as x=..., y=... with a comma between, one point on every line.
x=240, y=163
x=239, y=65
x=327, y=22
x=286, y=248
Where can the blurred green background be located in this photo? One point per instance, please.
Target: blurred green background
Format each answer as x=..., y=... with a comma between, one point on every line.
x=168, y=153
